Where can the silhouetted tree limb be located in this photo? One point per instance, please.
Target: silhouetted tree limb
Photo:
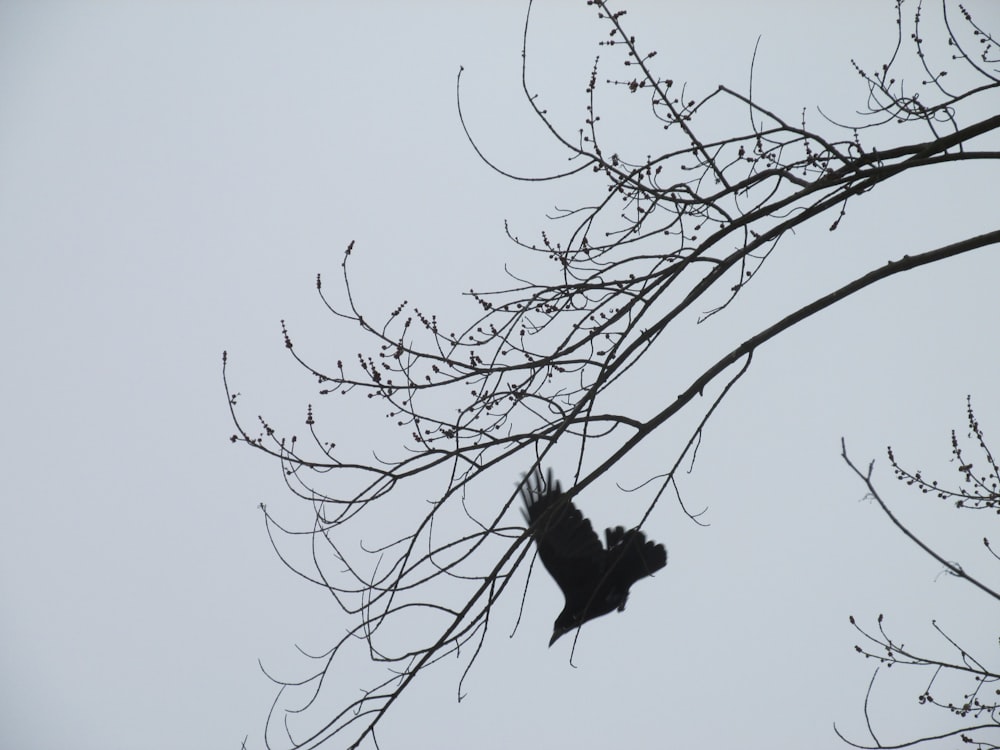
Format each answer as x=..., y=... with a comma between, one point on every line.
x=976, y=703
x=953, y=568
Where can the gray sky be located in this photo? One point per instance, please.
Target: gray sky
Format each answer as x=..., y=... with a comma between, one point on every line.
x=172, y=178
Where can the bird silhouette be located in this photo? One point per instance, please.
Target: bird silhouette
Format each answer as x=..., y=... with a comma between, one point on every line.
x=594, y=580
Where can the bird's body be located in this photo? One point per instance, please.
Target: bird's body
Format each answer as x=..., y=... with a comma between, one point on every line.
x=594, y=580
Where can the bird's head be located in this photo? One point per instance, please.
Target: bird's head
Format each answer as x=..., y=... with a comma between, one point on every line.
x=557, y=632
x=565, y=622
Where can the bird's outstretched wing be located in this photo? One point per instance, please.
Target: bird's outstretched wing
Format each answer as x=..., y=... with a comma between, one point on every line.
x=631, y=556
x=570, y=549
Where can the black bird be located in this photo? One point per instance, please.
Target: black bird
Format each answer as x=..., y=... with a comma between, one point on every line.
x=593, y=579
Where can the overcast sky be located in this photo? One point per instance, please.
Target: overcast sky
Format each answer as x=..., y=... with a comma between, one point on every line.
x=172, y=178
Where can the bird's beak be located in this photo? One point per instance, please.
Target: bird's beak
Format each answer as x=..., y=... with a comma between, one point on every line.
x=555, y=636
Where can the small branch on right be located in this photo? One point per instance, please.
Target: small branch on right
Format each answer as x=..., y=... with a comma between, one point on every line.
x=954, y=568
